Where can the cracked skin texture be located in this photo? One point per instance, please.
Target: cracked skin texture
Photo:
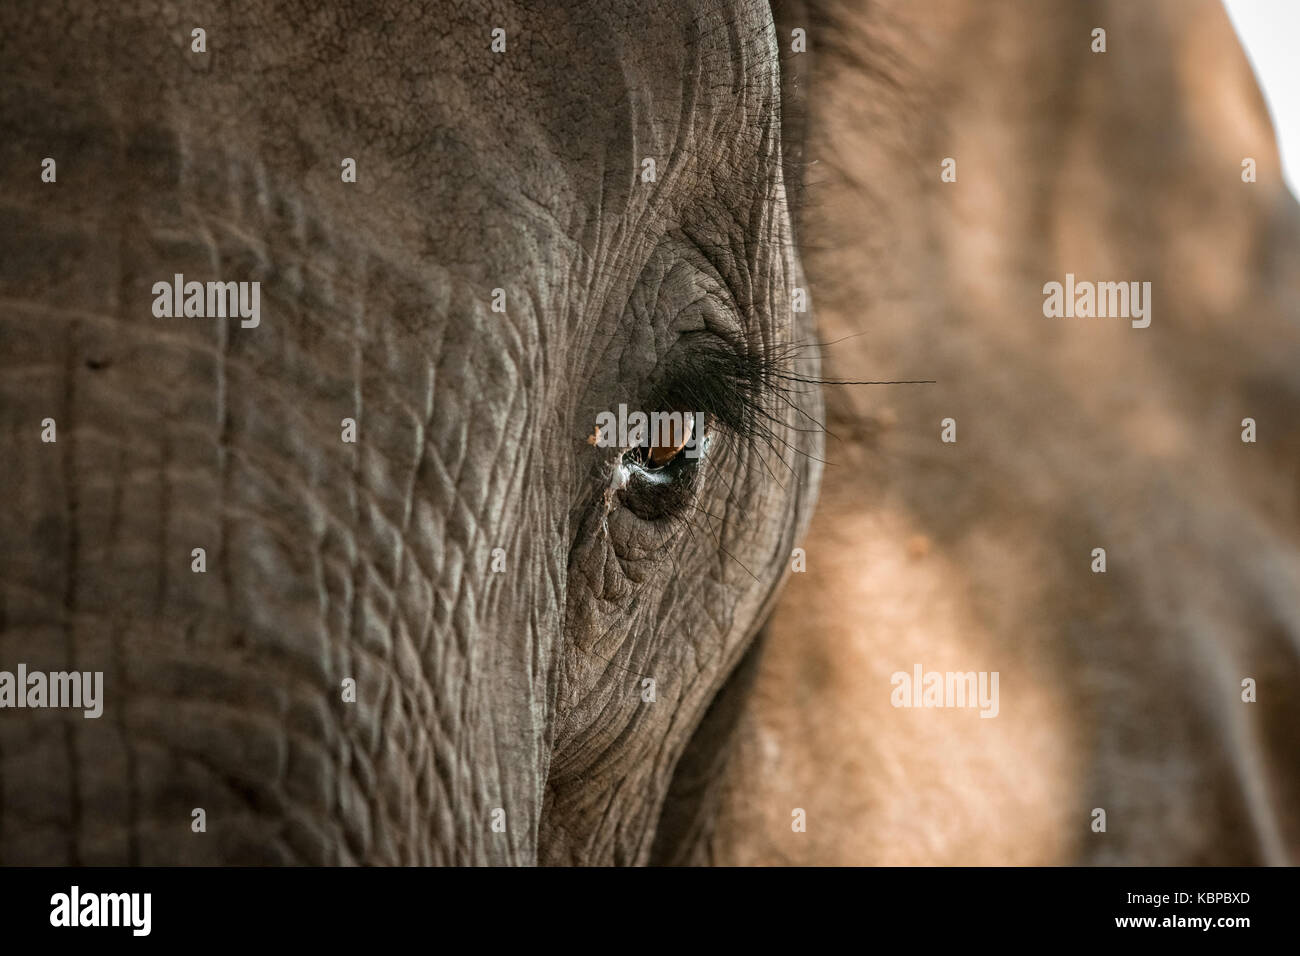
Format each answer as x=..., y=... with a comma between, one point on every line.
x=475, y=690
x=522, y=690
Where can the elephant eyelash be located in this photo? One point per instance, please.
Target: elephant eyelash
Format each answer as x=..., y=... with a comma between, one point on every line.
x=747, y=392
x=742, y=390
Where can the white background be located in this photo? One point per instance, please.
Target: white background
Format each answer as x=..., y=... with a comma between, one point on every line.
x=1270, y=33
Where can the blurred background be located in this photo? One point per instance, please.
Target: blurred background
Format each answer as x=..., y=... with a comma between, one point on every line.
x=1120, y=691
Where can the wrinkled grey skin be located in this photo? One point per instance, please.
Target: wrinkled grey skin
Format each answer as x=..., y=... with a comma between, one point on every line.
x=519, y=690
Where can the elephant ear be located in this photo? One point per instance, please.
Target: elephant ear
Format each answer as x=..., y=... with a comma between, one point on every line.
x=1122, y=689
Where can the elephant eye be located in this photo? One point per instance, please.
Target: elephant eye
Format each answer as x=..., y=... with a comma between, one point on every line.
x=659, y=450
x=725, y=392
x=662, y=471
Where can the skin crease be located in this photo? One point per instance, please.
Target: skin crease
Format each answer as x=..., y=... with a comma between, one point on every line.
x=523, y=690
x=476, y=691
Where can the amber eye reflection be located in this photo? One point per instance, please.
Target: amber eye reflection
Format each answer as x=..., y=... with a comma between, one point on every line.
x=666, y=441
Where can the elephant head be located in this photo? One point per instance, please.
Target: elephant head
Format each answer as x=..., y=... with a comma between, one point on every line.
x=359, y=587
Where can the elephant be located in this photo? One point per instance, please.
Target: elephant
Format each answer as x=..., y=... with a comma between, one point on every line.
x=359, y=589
x=310, y=320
